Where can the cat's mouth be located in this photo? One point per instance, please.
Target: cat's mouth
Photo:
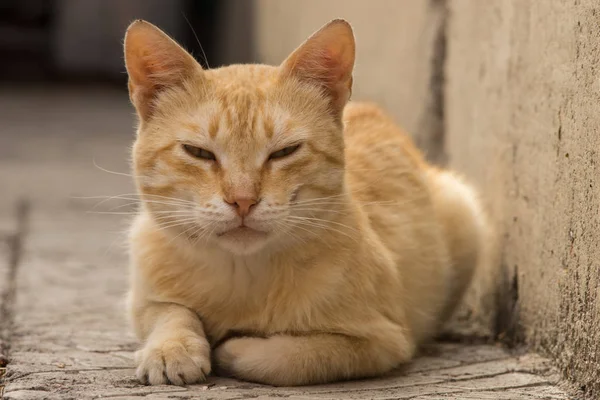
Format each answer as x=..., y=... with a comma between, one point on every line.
x=242, y=231
x=242, y=239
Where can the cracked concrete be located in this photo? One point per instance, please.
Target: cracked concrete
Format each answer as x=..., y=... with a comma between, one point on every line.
x=63, y=327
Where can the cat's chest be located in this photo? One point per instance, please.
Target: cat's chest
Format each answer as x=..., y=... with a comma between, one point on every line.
x=264, y=300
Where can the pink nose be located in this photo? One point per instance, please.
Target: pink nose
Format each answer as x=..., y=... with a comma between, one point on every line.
x=243, y=205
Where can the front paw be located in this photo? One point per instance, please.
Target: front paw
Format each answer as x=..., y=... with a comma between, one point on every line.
x=179, y=360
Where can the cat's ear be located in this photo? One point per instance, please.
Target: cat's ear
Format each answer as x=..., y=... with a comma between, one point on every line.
x=154, y=62
x=326, y=59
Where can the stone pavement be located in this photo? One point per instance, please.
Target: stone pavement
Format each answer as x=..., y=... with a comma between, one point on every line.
x=63, y=275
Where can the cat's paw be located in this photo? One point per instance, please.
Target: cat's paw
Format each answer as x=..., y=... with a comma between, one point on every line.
x=177, y=360
x=242, y=358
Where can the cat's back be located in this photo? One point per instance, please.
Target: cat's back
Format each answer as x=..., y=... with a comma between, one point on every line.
x=381, y=160
x=389, y=178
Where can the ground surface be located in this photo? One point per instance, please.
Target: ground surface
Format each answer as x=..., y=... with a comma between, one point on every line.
x=63, y=275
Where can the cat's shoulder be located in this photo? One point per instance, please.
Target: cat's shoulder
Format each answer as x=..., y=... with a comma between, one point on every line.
x=357, y=110
x=366, y=124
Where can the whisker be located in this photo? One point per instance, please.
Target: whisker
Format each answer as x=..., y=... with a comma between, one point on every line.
x=370, y=203
x=296, y=226
x=197, y=40
x=181, y=233
x=326, y=227
x=290, y=232
x=134, y=196
x=112, y=212
x=322, y=220
x=201, y=232
x=320, y=209
x=214, y=228
x=113, y=172
x=319, y=198
x=167, y=212
x=352, y=191
x=186, y=206
x=343, y=193
x=175, y=223
x=365, y=203
x=131, y=197
x=161, y=202
x=323, y=226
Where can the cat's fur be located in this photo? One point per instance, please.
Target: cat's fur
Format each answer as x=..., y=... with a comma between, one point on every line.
x=359, y=249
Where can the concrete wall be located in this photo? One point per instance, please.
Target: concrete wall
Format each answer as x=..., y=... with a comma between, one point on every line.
x=523, y=120
x=517, y=110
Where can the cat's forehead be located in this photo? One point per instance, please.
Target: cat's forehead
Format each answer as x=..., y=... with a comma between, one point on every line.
x=245, y=106
x=243, y=116
x=239, y=77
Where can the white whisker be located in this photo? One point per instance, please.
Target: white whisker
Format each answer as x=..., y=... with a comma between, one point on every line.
x=112, y=172
x=323, y=221
x=322, y=226
x=175, y=223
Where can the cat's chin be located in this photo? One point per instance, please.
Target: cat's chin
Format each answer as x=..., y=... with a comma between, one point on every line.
x=242, y=240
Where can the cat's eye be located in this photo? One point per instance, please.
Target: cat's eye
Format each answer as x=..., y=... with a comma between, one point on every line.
x=199, y=152
x=286, y=151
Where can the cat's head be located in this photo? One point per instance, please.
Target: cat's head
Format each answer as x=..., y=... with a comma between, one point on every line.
x=244, y=155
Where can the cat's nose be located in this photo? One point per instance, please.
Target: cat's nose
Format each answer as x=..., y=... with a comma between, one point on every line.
x=243, y=205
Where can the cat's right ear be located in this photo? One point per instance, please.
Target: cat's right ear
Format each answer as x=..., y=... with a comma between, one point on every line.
x=154, y=62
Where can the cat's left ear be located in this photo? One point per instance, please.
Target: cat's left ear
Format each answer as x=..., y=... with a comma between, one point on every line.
x=326, y=59
x=154, y=62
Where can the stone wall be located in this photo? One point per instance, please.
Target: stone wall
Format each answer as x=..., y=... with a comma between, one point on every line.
x=508, y=93
x=523, y=120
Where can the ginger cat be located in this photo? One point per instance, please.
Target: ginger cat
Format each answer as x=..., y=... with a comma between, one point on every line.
x=285, y=237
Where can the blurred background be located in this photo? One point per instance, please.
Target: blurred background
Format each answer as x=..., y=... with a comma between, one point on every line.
x=70, y=40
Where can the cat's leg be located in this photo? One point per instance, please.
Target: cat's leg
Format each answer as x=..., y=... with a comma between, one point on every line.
x=175, y=348
x=284, y=360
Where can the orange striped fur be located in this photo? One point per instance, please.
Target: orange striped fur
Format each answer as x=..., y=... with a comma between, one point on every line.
x=332, y=262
